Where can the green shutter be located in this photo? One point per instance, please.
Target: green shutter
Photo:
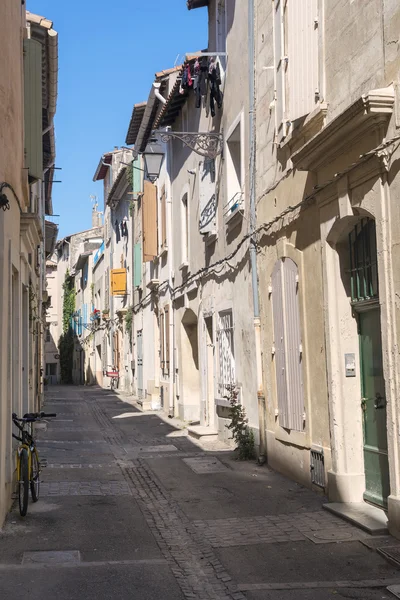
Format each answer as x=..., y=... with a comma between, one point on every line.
x=137, y=178
x=137, y=266
x=33, y=108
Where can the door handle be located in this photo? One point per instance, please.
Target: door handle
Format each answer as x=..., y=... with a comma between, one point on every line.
x=380, y=401
x=364, y=404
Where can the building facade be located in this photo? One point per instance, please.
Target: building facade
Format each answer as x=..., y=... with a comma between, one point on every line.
x=327, y=230
x=29, y=65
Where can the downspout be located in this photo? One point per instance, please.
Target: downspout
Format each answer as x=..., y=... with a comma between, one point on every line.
x=253, y=224
x=171, y=333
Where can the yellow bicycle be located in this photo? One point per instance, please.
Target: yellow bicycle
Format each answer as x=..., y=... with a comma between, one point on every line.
x=28, y=464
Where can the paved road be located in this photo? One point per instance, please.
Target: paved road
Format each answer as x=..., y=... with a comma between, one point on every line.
x=132, y=508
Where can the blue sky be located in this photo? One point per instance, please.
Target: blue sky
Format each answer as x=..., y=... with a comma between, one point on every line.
x=108, y=54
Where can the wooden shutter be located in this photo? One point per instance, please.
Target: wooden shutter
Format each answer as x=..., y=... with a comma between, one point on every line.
x=279, y=344
x=137, y=264
x=279, y=53
x=287, y=344
x=162, y=345
x=207, y=197
x=302, y=71
x=118, y=282
x=33, y=108
x=166, y=323
x=163, y=218
x=293, y=344
x=149, y=216
x=137, y=179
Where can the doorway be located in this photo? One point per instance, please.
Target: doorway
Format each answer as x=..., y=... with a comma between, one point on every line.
x=207, y=409
x=365, y=303
x=139, y=349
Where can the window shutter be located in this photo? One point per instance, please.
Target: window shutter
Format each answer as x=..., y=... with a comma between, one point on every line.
x=163, y=218
x=166, y=367
x=162, y=345
x=137, y=264
x=33, y=108
x=302, y=57
x=207, y=197
x=149, y=216
x=279, y=343
x=118, y=282
x=137, y=179
x=279, y=52
x=293, y=344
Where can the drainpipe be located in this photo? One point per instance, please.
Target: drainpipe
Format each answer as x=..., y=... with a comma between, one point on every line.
x=157, y=94
x=253, y=224
x=171, y=333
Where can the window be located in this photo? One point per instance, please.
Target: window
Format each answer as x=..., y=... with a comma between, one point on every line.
x=226, y=354
x=51, y=369
x=296, y=61
x=48, y=335
x=207, y=197
x=163, y=202
x=363, y=261
x=234, y=167
x=164, y=341
x=287, y=345
x=149, y=222
x=118, y=282
x=185, y=229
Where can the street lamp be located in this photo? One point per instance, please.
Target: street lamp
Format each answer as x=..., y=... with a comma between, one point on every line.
x=153, y=157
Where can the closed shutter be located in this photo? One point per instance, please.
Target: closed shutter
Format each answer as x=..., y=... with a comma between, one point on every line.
x=166, y=368
x=137, y=264
x=118, y=282
x=293, y=344
x=149, y=216
x=288, y=347
x=163, y=218
x=207, y=197
x=162, y=344
x=33, y=108
x=279, y=344
x=137, y=179
x=302, y=26
x=279, y=52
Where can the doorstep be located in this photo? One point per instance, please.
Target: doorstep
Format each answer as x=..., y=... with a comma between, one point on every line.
x=370, y=518
x=203, y=433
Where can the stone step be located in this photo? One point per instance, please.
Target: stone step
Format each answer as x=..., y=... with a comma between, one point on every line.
x=203, y=433
x=365, y=516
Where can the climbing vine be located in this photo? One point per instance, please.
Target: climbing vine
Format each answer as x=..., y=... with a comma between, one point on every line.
x=66, y=343
x=129, y=323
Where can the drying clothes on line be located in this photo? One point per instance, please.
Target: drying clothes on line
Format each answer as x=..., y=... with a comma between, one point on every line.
x=186, y=80
x=124, y=228
x=201, y=74
x=214, y=76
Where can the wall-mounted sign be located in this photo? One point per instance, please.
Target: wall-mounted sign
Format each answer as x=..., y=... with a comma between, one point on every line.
x=56, y=356
x=350, y=365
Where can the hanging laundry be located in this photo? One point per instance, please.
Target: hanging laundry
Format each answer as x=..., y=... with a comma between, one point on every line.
x=117, y=233
x=214, y=77
x=201, y=89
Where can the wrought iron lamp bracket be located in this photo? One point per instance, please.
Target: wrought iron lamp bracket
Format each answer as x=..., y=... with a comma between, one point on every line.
x=206, y=144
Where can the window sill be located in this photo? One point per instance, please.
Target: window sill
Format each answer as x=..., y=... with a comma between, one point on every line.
x=210, y=238
x=234, y=217
x=163, y=251
x=153, y=284
x=183, y=266
x=222, y=402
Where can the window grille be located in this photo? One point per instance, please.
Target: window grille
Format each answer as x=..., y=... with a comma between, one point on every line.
x=226, y=353
x=363, y=261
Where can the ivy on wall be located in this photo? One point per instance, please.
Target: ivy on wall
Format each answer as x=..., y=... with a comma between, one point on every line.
x=129, y=323
x=66, y=343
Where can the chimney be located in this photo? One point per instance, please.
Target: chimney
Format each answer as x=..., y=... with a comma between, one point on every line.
x=96, y=218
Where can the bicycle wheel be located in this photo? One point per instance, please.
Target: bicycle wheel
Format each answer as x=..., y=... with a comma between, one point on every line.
x=23, y=484
x=35, y=481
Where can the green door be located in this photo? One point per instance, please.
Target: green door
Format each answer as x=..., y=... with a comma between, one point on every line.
x=374, y=408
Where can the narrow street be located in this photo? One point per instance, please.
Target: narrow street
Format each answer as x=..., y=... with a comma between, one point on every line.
x=115, y=521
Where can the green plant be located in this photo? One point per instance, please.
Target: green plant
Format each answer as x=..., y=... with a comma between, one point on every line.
x=66, y=342
x=241, y=432
x=129, y=323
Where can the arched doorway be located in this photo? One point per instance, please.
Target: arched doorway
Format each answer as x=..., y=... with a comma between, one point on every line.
x=363, y=271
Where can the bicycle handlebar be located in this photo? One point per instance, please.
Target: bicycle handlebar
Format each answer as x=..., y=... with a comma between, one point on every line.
x=30, y=417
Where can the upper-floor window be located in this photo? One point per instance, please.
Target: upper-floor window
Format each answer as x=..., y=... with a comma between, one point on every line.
x=207, y=197
x=185, y=229
x=234, y=166
x=296, y=61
